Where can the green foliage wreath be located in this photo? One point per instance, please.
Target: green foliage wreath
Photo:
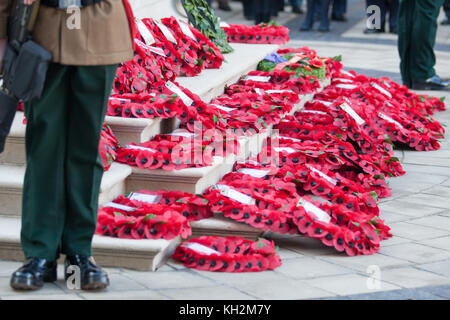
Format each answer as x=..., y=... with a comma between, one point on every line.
x=203, y=18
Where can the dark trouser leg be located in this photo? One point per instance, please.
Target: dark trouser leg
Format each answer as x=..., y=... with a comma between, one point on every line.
x=393, y=14
x=339, y=8
x=417, y=26
x=44, y=198
x=309, y=19
x=383, y=9
x=447, y=9
x=263, y=10
x=91, y=89
x=324, y=18
x=249, y=8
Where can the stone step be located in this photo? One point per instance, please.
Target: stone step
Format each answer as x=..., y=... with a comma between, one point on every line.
x=193, y=180
x=127, y=130
x=143, y=255
x=196, y=180
x=211, y=82
x=14, y=152
x=157, y=9
x=133, y=130
x=220, y=226
x=11, y=185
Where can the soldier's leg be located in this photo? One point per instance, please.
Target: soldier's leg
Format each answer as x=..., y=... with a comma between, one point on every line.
x=91, y=87
x=405, y=27
x=44, y=205
x=423, y=59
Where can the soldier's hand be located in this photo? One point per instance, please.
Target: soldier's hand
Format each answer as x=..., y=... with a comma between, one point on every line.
x=29, y=2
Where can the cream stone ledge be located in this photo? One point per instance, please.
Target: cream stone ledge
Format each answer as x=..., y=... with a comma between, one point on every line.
x=196, y=180
x=211, y=82
x=222, y=227
x=156, y=9
x=137, y=130
x=11, y=186
x=193, y=180
x=14, y=152
x=142, y=254
x=145, y=255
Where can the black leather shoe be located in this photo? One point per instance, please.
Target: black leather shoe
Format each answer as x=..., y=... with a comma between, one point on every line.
x=297, y=10
x=305, y=28
x=33, y=274
x=338, y=18
x=321, y=29
x=434, y=83
x=92, y=277
x=445, y=22
x=224, y=5
x=373, y=31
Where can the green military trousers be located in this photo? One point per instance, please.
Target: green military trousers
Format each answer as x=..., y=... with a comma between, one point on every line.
x=417, y=26
x=64, y=169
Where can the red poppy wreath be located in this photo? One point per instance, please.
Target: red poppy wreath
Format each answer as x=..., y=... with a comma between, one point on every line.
x=230, y=254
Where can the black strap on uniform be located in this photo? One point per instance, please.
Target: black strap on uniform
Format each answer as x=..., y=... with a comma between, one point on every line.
x=67, y=3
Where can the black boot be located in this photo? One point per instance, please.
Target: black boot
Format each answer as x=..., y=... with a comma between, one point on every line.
x=373, y=31
x=297, y=10
x=33, y=274
x=92, y=277
x=434, y=83
x=224, y=5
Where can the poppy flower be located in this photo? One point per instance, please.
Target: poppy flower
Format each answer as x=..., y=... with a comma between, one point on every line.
x=339, y=241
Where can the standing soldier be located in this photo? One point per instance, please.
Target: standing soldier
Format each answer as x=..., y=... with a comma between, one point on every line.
x=417, y=26
x=64, y=170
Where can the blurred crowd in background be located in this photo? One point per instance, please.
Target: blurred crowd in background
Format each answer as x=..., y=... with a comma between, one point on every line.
x=323, y=11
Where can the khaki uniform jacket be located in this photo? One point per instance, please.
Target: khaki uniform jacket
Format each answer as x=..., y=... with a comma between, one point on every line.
x=103, y=36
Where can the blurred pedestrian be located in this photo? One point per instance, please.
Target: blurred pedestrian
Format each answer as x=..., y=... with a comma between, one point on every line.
x=223, y=4
x=386, y=6
x=312, y=7
x=261, y=10
x=446, y=21
x=417, y=26
x=276, y=6
x=339, y=10
x=296, y=6
x=249, y=9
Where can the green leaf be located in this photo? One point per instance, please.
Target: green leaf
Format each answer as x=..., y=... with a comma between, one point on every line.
x=374, y=195
x=261, y=244
x=149, y=217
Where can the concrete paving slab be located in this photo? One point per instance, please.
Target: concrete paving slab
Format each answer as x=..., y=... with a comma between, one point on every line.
x=413, y=278
x=349, y=284
x=415, y=252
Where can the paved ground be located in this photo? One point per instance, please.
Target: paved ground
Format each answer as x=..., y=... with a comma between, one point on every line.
x=415, y=264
